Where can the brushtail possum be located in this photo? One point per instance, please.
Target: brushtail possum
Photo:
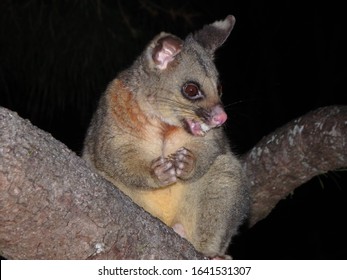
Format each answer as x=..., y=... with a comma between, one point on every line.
x=157, y=135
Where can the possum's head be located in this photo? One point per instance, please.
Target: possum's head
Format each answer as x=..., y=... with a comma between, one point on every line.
x=182, y=79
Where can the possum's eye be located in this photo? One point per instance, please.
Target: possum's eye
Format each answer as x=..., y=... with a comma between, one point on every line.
x=192, y=91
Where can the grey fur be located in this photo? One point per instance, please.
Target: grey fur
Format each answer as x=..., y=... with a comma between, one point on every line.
x=156, y=151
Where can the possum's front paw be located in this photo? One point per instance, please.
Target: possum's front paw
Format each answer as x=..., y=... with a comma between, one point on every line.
x=184, y=161
x=164, y=171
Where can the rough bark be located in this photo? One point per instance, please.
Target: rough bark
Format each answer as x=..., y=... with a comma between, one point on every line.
x=53, y=207
x=290, y=156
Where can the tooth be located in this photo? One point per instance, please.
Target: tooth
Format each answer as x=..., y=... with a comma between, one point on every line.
x=205, y=127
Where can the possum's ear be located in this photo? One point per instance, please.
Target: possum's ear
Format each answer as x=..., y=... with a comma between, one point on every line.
x=212, y=36
x=163, y=50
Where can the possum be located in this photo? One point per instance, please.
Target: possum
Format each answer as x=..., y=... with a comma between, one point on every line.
x=158, y=136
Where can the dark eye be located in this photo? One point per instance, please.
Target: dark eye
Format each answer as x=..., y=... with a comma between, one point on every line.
x=191, y=91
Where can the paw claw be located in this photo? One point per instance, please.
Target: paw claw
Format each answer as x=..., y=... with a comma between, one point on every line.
x=164, y=171
x=184, y=161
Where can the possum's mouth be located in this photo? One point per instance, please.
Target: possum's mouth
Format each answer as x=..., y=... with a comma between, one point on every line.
x=197, y=128
x=205, y=120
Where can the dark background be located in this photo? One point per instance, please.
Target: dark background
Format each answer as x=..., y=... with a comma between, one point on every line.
x=283, y=59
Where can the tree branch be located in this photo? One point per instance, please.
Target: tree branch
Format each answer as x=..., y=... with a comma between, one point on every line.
x=290, y=156
x=53, y=207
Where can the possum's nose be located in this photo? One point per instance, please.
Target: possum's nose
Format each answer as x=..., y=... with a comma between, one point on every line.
x=218, y=116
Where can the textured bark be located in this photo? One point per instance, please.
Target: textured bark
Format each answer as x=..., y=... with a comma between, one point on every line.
x=53, y=207
x=290, y=156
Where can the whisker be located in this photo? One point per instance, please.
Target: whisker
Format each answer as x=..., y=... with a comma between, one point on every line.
x=234, y=103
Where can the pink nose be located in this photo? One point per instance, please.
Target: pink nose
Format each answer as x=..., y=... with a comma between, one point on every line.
x=218, y=116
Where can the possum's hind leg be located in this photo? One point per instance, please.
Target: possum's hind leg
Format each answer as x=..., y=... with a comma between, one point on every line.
x=216, y=211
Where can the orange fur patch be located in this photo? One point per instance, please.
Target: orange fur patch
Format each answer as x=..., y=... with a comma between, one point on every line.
x=126, y=110
x=168, y=130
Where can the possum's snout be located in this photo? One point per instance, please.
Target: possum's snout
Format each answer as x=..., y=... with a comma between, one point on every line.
x=217, y=116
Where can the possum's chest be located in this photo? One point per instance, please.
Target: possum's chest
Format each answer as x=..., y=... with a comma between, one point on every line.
x=164, y=203
x=160, y=140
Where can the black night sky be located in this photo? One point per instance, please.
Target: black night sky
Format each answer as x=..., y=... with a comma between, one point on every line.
x=282, y=60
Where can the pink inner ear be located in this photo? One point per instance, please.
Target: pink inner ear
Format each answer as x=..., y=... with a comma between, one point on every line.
x=166, y=50
x=164, y=56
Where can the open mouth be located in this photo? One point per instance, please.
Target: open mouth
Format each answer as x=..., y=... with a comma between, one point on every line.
x=197, y=128
x=205, y=120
